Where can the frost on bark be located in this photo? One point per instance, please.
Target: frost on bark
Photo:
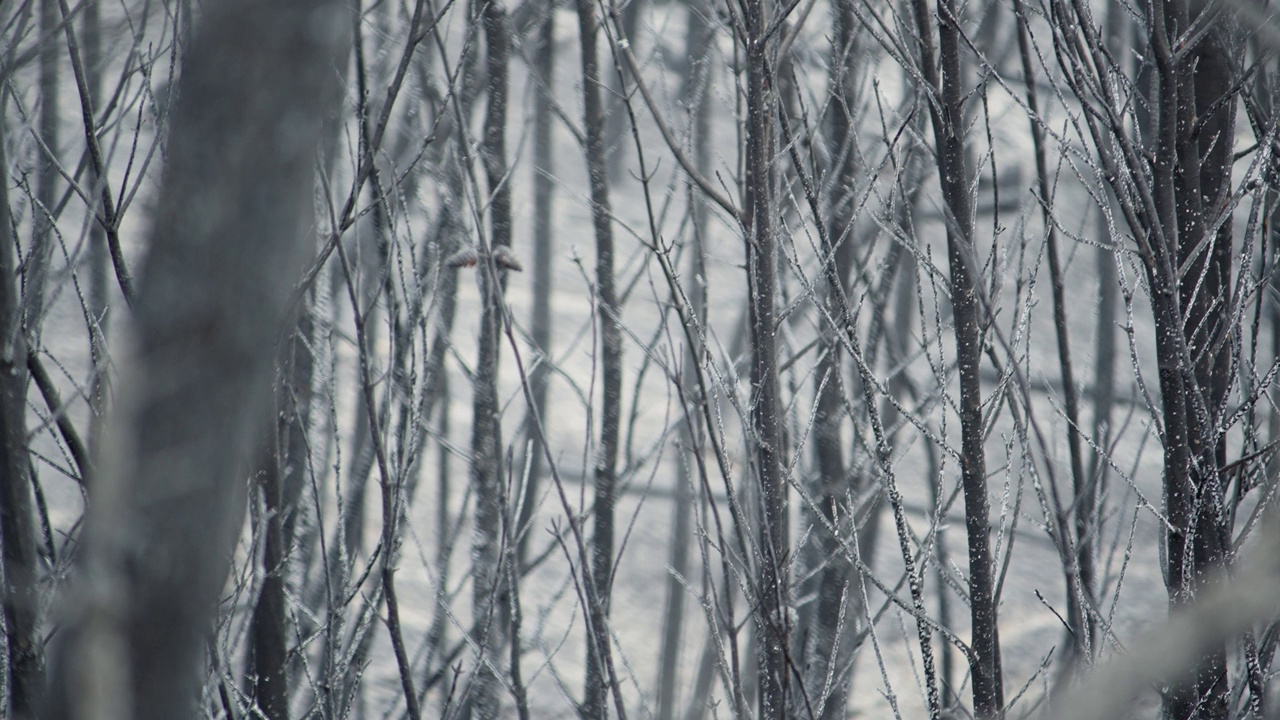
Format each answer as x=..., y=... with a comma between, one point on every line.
x=943, y=72
x=1196, y=130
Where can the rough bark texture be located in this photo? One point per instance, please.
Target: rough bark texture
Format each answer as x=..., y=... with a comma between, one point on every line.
x=944, y=74
x=489, y=598
x=596, y=692
x=229, y=234
x=772, y=615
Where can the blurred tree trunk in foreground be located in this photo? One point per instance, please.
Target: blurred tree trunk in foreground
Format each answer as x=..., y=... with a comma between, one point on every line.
x=228, y=242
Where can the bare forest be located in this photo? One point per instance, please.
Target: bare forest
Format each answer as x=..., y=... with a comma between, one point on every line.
x=673, y=359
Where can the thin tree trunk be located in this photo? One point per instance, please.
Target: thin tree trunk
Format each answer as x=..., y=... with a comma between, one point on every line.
x=701, y=691
x=268, y=668
x=1104, y=368
x=487, y=472
x=1105, y=345
x=283, y=478
x=451, y=231
x=25, y=677
x=944, y=74
x=698, y=38
x=1080, y=572
x=36, y=265
x=827, y=630
x=543, y=249
x=772, y=615
x=596, y=692
x=99, y=255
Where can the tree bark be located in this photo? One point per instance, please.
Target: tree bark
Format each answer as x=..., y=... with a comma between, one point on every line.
x=21, y=601
x=944, y=74
x=1204, y=130
x=229, y=233
x=543, y=249
x=698, y=38
x=489, y=596
x=772, y=614
x=827, y=629
x=596, y=692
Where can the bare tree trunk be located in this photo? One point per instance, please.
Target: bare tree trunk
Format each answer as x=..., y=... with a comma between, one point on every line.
x=615, y=133
x=698, y=38
x=229, y=233
x=596, y=692
x=772, y=593
x=1105, y=345
x=36, y=270
x=543, y=249
x=825, y=632
x=25, y=662
x=1080, y=570
x=450, y=232
x=20, y=321
x=99, y=255
x=489, y=597
x=283, y=477
x=268, y=669
x=1206, y=297
x=1192, y=87
x=943, y=73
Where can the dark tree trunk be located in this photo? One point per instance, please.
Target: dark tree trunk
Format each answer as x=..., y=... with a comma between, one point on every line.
x=943, y=73
x=827, y=626
x=282, y=479
x=21, y=599
x=772, y=615
x=1076, y=537
x=1205, y=124
x=597, y=688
